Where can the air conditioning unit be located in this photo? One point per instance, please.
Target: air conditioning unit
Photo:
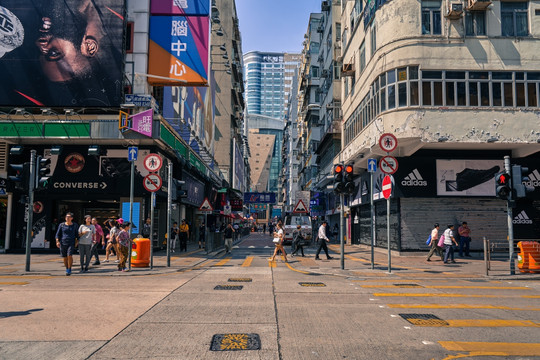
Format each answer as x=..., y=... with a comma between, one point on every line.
x=347, y=70
x=455, y=10
x=478, y=5
x=325, y=6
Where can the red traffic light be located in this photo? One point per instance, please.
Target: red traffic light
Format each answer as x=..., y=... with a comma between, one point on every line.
x=338, y=169
x=349, y=169
x=503, y=179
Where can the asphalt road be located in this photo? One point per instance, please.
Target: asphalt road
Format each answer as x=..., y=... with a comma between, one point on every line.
x=303, y=309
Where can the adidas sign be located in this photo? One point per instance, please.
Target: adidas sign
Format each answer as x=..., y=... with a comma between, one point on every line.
x=414, y=179
x=534, y=179
x=522, y=218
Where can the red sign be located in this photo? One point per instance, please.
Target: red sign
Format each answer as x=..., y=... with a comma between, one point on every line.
x=152, y=182
x=387, y=187
x=152, y=162
x=388, y=142
x=389, y=164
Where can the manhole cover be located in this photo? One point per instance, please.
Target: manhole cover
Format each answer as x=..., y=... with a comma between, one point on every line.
x=233, y=342
x=424, y=320
x=408, y=285
x=229, y=287
x=240, y=280
x=312, y=284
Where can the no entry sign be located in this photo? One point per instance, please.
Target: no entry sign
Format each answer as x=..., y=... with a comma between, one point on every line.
x=152, y=182
x=387, y=187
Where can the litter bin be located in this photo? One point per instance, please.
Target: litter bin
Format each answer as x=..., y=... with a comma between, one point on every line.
x=529, y=256
x=140, y=252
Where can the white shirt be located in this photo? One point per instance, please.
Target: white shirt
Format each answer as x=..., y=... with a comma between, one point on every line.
x=322, y=233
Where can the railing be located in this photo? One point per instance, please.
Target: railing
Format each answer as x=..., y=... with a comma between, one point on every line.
x=497, y=255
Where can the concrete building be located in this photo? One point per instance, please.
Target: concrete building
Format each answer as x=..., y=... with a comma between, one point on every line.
x=457, y=84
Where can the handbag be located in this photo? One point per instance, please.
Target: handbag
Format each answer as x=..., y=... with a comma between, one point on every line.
x=275, y=241
x=441, y=241
x=428, y=240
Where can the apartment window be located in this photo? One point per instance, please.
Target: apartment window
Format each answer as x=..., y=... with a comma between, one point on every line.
x=514, y=18
x=362, y=57
x=431, y=17
x=373, y=39
x=475, y=23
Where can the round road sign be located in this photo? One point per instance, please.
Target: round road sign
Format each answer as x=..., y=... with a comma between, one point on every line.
x=389, y=164
x=387, y=186
x=388, y=142
x=153, y=162
x=152, y=182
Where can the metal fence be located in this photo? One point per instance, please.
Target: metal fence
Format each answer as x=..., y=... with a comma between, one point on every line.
x=497, y=256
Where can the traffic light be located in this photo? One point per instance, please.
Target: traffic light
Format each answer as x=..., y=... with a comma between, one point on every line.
x=20, y=178
x=349, y=183
x=519, y=175
x=338, y=178
x=43, y=170
x=178, y=190
x=503, y=188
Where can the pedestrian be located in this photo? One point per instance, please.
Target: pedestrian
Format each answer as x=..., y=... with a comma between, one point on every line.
x=278, y=242
x=297, y=241
x=66, y=240
x=123, y=245
x=112, y=241
x=146, y=230
x=202, y=235
x=86, y=237
x=433, y=243
x=323, y=238
x=264, y=228
x=228, y=235
x=335, y=231
x=99, y=239
x=464, y=239
x=184, y=235
x=448, y=244
x=174, y=236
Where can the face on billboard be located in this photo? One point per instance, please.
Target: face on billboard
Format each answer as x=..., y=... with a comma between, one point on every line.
x=180, y=7
x=71, y=53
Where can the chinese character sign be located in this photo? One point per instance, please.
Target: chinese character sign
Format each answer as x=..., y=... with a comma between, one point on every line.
x=142, y=122
x=178, y=50
x=181, y=7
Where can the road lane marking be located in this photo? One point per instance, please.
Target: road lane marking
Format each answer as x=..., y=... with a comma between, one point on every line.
x=438, y=295
x=491, y=323
x=454, y=287
x=14, y=283
x=247, y=262
x=492, y=348
x=223, y=261
x=272, y=264
x=457, y=306
x=33, y=277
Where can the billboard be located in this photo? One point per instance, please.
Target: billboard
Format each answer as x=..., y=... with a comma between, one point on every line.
x=180, y=7
x=61, y=53
x=178, y=50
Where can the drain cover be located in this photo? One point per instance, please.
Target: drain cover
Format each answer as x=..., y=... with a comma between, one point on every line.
x=312, y=284
x=240, y=280
x=232, y=342
x=229, y=287
x=408, y=285
x=424, y=320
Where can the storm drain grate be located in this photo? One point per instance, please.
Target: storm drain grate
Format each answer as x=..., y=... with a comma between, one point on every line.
x=432, y=271
x=424, y=320
x=229, y=287
x=408, y=285
x=233, y=342
x=320, y=284
x=240, y=279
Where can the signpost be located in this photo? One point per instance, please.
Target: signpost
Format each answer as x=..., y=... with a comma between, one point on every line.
x=153, y=162
x=152, y=182
x=207, y=208
x=389, y=165
x=387, y=192
x=388, y=142
x=133, y=152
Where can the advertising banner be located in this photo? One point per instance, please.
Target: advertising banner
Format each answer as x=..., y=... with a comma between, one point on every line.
x=142, y=122
x=180, y=7
x=467, y=177
x=178, y=50
x=259, y=198
x=61, y=53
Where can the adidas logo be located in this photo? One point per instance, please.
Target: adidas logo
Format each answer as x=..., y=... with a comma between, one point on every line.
x=534, y=179
x=414, y=179
x=522, y=218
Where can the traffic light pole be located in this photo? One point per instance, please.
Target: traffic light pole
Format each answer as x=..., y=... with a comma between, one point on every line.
x=509, y=215
x=372, y=225
x=131, y=187
x=30, y=207
x=169, y=207
x=342, y=230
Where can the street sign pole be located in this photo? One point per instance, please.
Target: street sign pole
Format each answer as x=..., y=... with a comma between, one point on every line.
x=169, y=206
x=388, y=234
x=372, y=225
x=131, y=187
x=509, y=215
x=152, y=208
x=30, y=207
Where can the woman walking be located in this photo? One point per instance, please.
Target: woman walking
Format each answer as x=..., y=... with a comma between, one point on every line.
x=279, y=243
x=448, y=244
x=123, y=245
x=433, y=243
x=111, y=242
x=86, y=237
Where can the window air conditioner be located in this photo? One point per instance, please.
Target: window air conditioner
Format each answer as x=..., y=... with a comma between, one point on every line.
x=455, y=9
x=478, y=5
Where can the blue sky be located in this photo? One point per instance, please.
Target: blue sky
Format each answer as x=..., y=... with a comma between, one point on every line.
x=274, y=25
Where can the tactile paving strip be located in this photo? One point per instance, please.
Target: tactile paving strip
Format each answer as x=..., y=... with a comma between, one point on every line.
x=240, y=279
x=229, y=287
x=233, y=342
x=319, y=284
x=424, y=320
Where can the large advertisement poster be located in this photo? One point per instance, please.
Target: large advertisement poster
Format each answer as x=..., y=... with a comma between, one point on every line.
x=61, y=53
x=178, y=50
x=467, y=177
x=181, y=7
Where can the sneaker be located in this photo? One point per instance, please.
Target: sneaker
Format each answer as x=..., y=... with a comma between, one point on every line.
x=428, y=260
x=317, y=258
x=453, y=262
x=329, y=258
x=106, y=260
x=96, y=263
x=68, y=272
x=116, y=261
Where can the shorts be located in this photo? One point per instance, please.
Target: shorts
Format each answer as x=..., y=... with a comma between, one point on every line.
x=67, y=250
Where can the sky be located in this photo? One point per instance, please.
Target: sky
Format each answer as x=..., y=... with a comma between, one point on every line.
x=274, y=25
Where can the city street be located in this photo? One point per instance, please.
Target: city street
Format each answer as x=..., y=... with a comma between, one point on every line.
x=241, y=306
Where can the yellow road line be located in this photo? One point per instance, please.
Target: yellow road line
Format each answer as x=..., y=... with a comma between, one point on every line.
x=247, y=262
x=457, y=306
x=272, y=264
x=293, y=269
x=24, y=277
x=491, y=323
x=14, y=283
x=531, y=296
x=454, y=295
x=223, y=261
x=454, y=287
x=492, y=348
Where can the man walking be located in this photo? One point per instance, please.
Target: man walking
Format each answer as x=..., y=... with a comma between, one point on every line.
x=228, y=234
x=464, y=239
x=174, y=236
x=66, y=240
x=323, y=238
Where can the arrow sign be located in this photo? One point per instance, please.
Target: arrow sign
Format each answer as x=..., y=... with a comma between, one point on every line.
x=133, y=151
x=389, y=164
x=372, y=165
